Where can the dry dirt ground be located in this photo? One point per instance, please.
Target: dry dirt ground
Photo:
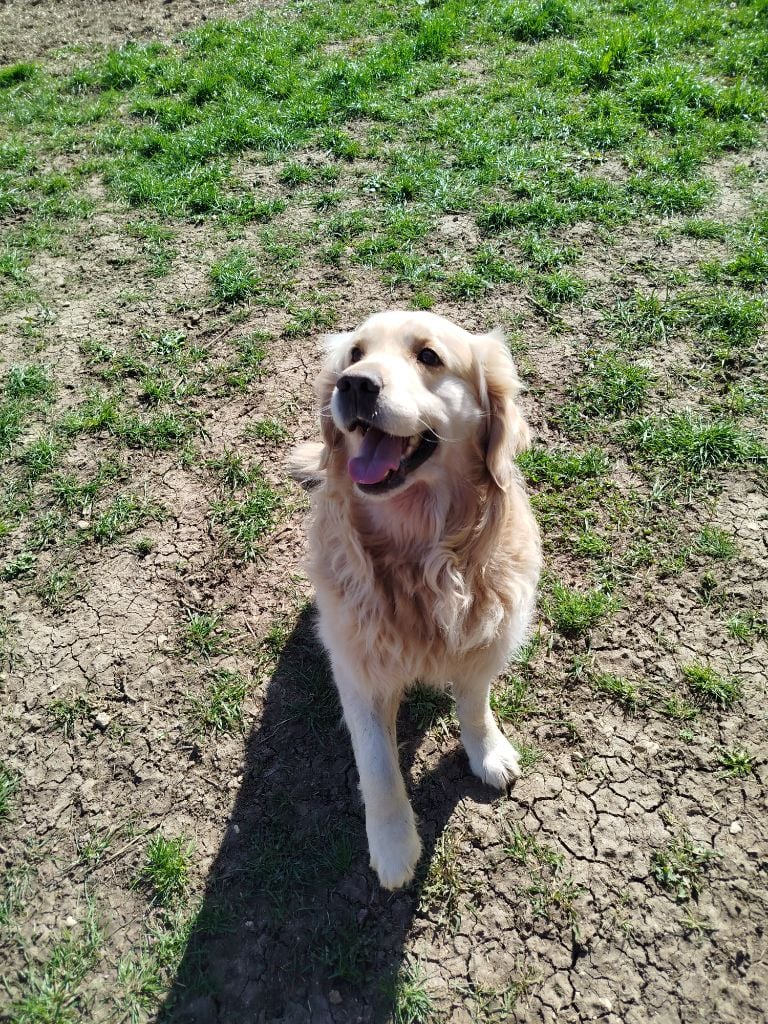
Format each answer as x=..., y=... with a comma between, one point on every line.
x=544, y=906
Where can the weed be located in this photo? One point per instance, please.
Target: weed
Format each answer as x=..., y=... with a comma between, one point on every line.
x=22, y=565
x=709, y=687
x=165, y=871
x=443, y=886
x=736, y=762
x=612, y=387
x=559, y=468
x=411, y=1003
x=58, y=588
x=681, y=866
x=221, y=708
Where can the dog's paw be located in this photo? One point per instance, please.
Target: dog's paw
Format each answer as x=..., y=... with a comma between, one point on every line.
x=395, y=849
x=497, y=762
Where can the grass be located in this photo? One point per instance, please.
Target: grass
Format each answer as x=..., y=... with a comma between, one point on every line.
x=246, y=521
x=545, y=163
x=411, y=1003
x=574, y=612
x=203, y=634
x=9, y=786
x=165, y=869
x=709, y=688
x=67, y=712
x=124, y=514
x=220, y=709
x=53, y=991
x=681, y=866
x=696, y=445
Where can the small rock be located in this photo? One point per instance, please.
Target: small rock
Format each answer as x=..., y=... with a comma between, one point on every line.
x=83, y=524
x=70, y=922
x=102, y=720
x=736, y=828
x=334, y=997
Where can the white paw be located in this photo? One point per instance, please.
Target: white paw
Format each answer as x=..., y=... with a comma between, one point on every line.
x=495, y=761
x=395, y=849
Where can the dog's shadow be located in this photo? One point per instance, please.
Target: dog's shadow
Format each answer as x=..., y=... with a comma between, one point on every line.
x=294, y=926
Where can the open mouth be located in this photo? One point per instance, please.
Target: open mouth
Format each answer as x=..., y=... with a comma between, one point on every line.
x=385, y=460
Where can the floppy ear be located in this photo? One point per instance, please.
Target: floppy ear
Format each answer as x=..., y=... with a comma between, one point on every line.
x=507, y=432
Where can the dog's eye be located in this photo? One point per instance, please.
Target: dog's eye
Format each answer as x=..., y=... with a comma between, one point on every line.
x=429, y=357
x=355, y=355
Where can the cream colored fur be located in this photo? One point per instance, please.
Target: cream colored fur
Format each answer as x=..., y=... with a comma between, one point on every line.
x=435, y=581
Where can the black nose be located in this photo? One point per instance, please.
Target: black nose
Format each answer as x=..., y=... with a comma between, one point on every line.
x=358, y=394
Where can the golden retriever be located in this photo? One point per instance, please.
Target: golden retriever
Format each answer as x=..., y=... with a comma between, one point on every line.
x=424, y=553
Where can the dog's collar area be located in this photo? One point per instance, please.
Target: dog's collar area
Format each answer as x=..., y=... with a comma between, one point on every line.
x=385, y=460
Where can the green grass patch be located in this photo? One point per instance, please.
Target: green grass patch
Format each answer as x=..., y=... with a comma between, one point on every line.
x=124, y=514
x=247, y=520
x=709, y=688
x=165, y=870
x=574, y=612
x=9, y=786
x=220, y=709
x=689, y=442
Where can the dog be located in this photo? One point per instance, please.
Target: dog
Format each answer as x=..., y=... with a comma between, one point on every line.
x=423, y=550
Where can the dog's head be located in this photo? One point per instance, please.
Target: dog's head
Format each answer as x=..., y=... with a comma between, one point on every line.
x=407, y=396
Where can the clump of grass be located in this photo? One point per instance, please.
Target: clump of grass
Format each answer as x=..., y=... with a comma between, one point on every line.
x=165, y=871
x=612, y=387
x=28, y=382
x=619, y=690
x=203, y=634
x=562, y=468
x=573, y=612
x=709, y=687
x=53, y=991
x=681, y=866
x=429, y=707
x=268, y=430
x=411, y=1003
x=513, y=701
x=234, y=277
x=747, y=626
x=691, y=443
x=126, y=513
x=559, y=287
x=9, y=785
x=248, y=520
x=40, y=457
x=444, y=886
x=67, y=713
x=59, y=587
x=736, y=762
x=221, y=708
x=716, y=543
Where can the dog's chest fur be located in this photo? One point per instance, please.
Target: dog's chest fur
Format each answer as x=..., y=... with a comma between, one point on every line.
x=411, y=607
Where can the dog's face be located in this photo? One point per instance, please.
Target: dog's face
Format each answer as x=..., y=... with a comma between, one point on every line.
x=410, y=395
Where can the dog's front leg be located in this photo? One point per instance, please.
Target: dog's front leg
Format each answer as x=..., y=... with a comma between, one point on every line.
x=491, y=756
x=393, y=841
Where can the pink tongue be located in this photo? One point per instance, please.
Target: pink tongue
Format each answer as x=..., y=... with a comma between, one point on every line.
x=380, y=453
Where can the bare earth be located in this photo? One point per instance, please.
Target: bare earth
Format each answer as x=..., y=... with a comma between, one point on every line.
x=590, y=937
